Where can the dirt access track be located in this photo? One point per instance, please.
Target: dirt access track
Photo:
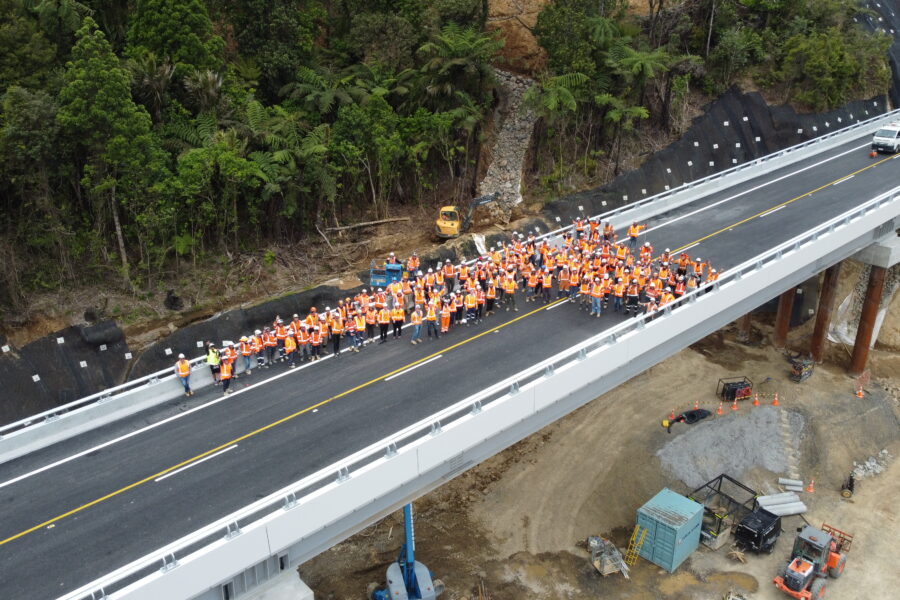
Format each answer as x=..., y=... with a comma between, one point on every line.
x=517, y=522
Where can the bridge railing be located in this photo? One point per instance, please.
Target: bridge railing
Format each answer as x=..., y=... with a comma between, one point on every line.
x=500, y=398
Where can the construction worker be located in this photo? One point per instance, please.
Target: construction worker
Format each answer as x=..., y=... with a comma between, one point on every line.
x=371, y=320
x=490, y=296
x=633, y=232
x=226, y=371
x=303, y=342
x=397, y=318
x=416, y=320
x=213, y=360
x=230, y=357
x=384, y=320
x=183, y=371
x=337, y=332
x=431, y=320
x=280, y=335
x=546, y=284
x=471, y=303
x=269, y=343
x=618, y=295
x=596, y=295
x=247, y=352
x=290, y=345
x=445, y=318
x=315, y=343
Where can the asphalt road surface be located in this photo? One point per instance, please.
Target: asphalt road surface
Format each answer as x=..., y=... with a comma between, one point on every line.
x=87, y=506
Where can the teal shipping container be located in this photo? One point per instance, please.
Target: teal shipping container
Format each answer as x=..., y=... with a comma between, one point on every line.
x=673, y=525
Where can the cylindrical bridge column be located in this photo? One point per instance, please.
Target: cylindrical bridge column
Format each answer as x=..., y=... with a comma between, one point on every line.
x=783, y=318
x=743, y=324
x=866, y=326
x=823, y=312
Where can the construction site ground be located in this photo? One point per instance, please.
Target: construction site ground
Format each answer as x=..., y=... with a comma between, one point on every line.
x=518, y=522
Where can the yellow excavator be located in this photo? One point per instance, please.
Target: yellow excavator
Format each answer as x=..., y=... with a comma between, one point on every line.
x=450, y=225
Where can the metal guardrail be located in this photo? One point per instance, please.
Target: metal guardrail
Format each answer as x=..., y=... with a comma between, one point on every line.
x=166, y=374
x=167, y=558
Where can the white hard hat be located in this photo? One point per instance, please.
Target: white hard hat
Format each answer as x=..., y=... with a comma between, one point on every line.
x=181, y=356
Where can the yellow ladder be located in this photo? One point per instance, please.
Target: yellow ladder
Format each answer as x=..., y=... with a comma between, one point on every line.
x=634, y=545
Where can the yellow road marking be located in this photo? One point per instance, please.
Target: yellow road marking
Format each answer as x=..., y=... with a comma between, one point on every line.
x=783, y=204
x=382, y=377
x=270, y=425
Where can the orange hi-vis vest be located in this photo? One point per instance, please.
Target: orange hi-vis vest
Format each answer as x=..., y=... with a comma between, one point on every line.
x=471, y=301
x=458, y=301
x=245, y=349
x=350, y=326
x=230, y=354
x=384, y=316
x=712, y=277
x=634, y=230
x=429, y=280
x=397, y=315
x=597, y=290
x=431, y=315
x=225, y=370
x=633, y=290
x=532, y=279
x=416, y=317
x=463, y=272
x=666, y=298
x=509, y=285
x=371, y=317
x=439, y=279
x=280, y=332
x=412, y=264
x=479, y=296
x=621, y=252
x=406, y=287
x=289, y=345
x=679, y=288
x=269, y=340
x=315, y=338
x=619, y=290
x=256, y=343
x=337, y=326
x=419, y=296
x=360, y=321
x=184, y=367
x=491, y=292
x=546, y=280
x=303, y=337
x=448, y=270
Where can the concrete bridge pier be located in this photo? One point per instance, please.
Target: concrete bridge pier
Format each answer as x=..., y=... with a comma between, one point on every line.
x=823, y=312
x=881, y=255
x=783, y=318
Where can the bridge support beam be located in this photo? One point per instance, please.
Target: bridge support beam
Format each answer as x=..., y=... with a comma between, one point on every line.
x=783, y=318
x=743, y=324
x=866, y=326
x=823, y=312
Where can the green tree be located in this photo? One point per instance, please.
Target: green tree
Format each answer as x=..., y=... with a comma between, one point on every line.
x=151, y=81
x=459, y=60
x=639, y=67
x=323, y=91
x=120, y=159
x=385, y=39
x=26, y=56
x=623, y=118
x=179, y=31
x=59, y=20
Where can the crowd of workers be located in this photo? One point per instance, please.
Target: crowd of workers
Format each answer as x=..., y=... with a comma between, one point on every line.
x=590, y=267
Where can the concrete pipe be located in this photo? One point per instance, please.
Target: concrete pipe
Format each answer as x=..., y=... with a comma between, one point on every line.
x=785, y=481
x=778, y=498
x=786, y=510
x=794, y=488
x=795, y=498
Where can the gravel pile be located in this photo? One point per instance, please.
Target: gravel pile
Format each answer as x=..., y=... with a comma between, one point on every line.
x=504, y=174
x=874, y=465
x=731, y=444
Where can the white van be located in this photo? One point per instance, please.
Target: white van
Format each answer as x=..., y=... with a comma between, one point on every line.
x=887, y=139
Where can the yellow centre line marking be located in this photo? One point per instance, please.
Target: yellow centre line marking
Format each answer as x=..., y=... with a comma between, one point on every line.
x=783, y=204
x=386, y=375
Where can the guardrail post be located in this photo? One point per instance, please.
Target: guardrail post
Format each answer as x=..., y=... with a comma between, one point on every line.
x=102, y=595
x=476, y=407
x=343, y=474
x=391, y=450
x=582, y=354
x=169, y=562
x=290, y=501
x=436, y=428
x=549, y=371
x=514, y=388
x=232, y=530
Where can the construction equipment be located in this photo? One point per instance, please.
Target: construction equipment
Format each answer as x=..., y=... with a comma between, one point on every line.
x=758, y=531
x=408, y=579
x=734, y=388
x=385, y=275
x=605, y=557
x=848, y=487
x=451, y=224
x=688, y=417
x=817, y=555
x=634, y=545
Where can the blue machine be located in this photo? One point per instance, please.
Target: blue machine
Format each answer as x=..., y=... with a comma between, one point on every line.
x=384, y=276
x=408, y=579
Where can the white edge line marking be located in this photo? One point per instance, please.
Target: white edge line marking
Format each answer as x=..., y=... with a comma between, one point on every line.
x=689, y=247
x=774, y=210
x=557, y=304
x=844, y=179
x=404, y=372
x=289, y=371
x=195, y=463
x=759, y=187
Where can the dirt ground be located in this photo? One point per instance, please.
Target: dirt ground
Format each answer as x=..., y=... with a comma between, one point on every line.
x=517, y=523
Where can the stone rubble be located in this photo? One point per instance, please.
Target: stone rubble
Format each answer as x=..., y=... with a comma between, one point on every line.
x=515, y=124
x=872, y=466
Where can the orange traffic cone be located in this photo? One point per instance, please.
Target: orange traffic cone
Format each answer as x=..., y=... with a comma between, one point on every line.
x=720, y=412
x=775, y=401
x=811, y=487
x=859, y=392
x=672, y=416
x=734, y=404
x=696, y=404
x=755, y=399
x=873, y=154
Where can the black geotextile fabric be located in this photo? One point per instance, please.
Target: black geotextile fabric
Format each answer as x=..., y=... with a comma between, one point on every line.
x=885, y=16
x=90, y=359
x=734, y=129
x=231, y=325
